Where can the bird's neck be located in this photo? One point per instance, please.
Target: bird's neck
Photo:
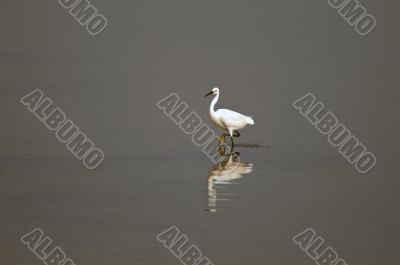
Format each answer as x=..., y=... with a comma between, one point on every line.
x=213, y=102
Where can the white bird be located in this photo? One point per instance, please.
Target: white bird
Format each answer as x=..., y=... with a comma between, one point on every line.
x=227, y=119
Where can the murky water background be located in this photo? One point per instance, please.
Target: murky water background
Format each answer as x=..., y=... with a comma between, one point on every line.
x=263, y=55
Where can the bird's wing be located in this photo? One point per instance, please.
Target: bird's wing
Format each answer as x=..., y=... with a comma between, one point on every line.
x=232, y=118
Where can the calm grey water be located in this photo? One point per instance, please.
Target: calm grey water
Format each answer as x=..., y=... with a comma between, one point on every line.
x=263, y=55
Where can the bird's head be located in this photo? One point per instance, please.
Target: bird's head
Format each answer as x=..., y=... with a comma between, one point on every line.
x=213, y=91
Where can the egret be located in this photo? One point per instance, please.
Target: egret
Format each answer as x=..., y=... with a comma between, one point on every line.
x=227, y=119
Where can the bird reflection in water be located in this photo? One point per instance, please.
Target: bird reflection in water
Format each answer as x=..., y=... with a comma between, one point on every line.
x=223, y=174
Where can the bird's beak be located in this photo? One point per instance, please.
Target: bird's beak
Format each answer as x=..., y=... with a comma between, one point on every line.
x=209, y=93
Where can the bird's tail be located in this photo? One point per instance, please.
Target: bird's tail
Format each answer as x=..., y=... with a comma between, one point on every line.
x=250, y=120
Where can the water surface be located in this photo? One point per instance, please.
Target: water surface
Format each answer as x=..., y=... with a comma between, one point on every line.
x=263, y=55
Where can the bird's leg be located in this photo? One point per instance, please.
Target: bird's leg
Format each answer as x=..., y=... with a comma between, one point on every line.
x=221, y=150
x=232, y=146
x=237, y=134
x=221, y=138
x=231, y=135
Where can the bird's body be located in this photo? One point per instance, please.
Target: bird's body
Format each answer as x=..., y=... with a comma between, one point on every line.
x=227, y=119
